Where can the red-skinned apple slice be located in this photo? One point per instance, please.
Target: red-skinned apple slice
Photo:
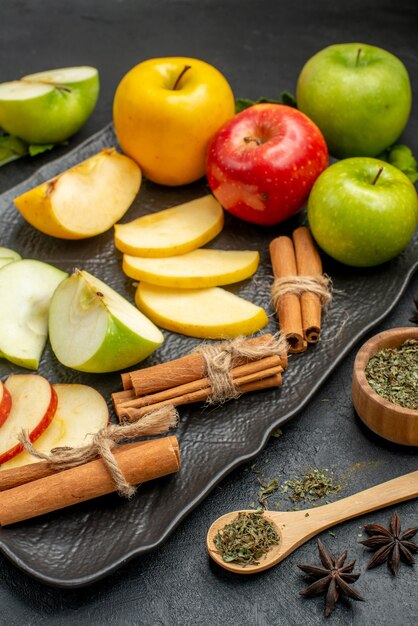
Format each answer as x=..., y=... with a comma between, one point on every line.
x=80, y=413
x=34, y=403
x=5, y=403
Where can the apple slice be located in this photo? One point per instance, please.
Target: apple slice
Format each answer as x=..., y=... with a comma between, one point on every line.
x=174, y=231
x=81, y=412
x=26, y=288
x=48, y=107
x=5, y=403
x=206, y=313
x=8, y=256
x=34, y=403
x=84, y=201
x=94, y=329
x=196, y=269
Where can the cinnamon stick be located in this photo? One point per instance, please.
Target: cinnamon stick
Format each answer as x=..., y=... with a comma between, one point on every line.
x=252, y=382
x=288, y=306
x=35, y=470
x=203, y=383
x=180, y=371
x=308, y=263
x=139, y=462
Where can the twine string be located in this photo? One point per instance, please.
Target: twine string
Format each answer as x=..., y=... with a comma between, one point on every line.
x=102, y=444
x=321, y=286
x=221, y=358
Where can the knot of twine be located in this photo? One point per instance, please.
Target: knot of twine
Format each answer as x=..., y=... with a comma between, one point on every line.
x=103, y=442
x=221, y=358
x=297, y=285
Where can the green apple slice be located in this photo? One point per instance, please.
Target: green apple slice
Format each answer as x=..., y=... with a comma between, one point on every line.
x=26, y=288
x=49, y=107
x=94, y=329
x=8, y=256
x=212, y=313
x=196, y=269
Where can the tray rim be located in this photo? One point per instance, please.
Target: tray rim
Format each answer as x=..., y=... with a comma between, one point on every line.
x=84, y=581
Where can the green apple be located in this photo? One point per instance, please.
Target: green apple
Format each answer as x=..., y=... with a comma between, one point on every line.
x=48, y=107
x=8, y=256
x=363, y=211
x=94, y=329
x=26, y=288
x=358, y=95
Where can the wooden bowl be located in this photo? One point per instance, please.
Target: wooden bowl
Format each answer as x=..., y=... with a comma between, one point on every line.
x=384, y=418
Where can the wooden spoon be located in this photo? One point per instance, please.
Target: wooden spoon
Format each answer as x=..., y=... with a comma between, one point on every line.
x=296, y=527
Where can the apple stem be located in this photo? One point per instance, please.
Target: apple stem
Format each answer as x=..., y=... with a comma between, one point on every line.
x=376, y=178
x=180, y=76
x=358, y=56
x=255, y=139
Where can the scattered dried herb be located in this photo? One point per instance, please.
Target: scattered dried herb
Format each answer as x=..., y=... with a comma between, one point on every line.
x=391, y=544
x=333, y=579
x=414, y=318
x=266, y=492
x=393, y=374
x=246, y=538
x=312, y=486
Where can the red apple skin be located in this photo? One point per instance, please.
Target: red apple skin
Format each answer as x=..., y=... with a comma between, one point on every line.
x=37, y=431
x=5, y=403
x=262, y=164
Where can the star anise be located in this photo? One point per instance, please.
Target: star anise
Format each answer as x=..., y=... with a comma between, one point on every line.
x=414, y=318
x=391, y=545
x=333, y=579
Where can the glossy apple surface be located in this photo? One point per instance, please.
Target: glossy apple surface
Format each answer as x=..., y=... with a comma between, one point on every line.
x=262, y=164
x=358, y=95
x=34, y=403
x=359, y=217
x=165, y=112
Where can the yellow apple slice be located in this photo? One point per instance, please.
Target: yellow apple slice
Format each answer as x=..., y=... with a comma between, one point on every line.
x=84, y=201
x=194, y=270
x=81, y=412
x=5, y=403
x=174, y=231
x=206, y=313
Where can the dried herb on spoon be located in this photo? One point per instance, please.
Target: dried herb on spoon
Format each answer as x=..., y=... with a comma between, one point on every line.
x=246, y=538
x=391, y=545
x=333, y=579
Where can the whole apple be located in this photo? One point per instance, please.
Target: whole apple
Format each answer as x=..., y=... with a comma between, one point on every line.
x=363, y=211
x=165, y=112
x=262, y=164
x=359, y=95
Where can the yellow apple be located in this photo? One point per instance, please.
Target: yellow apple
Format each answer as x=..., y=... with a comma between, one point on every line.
x=85, y=200
x=165, y=112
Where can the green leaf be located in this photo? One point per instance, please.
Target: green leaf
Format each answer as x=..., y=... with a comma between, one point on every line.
x=285, y=98
x=38, y=148
x=401, y=156
x=11, y=148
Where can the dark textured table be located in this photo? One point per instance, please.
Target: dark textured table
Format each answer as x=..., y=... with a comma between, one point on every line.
x=260, y=46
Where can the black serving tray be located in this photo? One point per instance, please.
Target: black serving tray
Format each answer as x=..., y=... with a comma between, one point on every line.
x=79, y=545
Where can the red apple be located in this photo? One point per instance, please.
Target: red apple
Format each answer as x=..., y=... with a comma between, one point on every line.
x=34, y=403
x=262, y=164
x=5, y=403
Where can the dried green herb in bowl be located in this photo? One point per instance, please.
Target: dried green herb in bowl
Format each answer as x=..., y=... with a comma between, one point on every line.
x=393, y=374
x=246, y=539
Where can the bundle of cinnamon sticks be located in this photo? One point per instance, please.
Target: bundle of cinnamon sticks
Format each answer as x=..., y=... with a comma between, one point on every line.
x=299, y=311
x=185, y=380
x=36, y=489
